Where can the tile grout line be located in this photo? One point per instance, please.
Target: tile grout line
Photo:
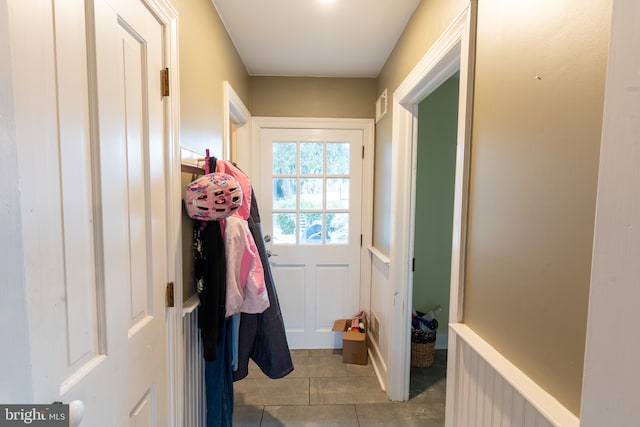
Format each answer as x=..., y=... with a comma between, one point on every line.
x=262, y=421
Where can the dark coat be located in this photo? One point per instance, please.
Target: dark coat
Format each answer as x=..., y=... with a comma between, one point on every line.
x=262, y=336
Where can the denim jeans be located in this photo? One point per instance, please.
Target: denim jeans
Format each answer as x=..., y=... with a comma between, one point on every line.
x=218, y=378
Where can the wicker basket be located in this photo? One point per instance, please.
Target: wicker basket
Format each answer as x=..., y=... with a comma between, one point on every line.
x=423, y=345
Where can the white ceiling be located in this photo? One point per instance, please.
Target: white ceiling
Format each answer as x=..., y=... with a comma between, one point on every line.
x=319, y=38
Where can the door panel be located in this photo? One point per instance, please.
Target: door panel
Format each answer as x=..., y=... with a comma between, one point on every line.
x=132, y=141
x=128, y=383
x=138, y=220
x=77, y=246
x=311, y=204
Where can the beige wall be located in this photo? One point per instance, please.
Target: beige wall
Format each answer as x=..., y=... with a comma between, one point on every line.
x=429, y=20
x=207, y=58
x=536, y=134
x=539, y=95
x=312, y=97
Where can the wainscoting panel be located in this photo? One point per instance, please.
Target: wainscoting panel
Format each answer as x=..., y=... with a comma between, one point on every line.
x=381, y=312
x=194, y=398
x=484, y=389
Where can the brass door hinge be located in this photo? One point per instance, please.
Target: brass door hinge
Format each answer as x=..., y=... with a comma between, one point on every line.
x=164, y=82
x=170, y=299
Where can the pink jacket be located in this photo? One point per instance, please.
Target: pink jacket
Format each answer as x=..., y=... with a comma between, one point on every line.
x=224, y=166
x=246, y=291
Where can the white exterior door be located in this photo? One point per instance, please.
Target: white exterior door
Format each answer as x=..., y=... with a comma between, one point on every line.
x=311, y=211
x=93, y=150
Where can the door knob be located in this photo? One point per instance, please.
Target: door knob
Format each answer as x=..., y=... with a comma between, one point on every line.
x=267, y=238
x=76, y=412
x=270, y=254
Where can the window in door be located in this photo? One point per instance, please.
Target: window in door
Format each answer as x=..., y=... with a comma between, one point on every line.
x=311, y=189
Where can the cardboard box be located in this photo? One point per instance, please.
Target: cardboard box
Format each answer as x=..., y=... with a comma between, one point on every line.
x=354, y=343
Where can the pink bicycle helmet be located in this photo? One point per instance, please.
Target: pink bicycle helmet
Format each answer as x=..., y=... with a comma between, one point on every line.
x=213, y=196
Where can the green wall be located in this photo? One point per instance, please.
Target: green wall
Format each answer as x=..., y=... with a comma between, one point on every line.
x=436, y=158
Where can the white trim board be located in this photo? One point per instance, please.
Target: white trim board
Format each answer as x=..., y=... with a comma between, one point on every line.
x=453, y=51
x=611, y=375
x=235, y=111
x=168, y=15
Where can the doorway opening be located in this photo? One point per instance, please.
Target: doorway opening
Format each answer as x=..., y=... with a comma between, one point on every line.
x=433, y=233
x=451, y=53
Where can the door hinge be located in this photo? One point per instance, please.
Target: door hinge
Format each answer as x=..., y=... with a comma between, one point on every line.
x=164, y=82
x=413, y=265
x=363, y=151
x=170, y=299
x=361, y=240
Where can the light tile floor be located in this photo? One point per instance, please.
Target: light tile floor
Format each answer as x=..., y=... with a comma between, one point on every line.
x=323, y=391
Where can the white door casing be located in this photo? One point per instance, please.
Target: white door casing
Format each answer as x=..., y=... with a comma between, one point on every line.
x=317, y=274
x=236, y=133
x=452, y=51
x=611, y=378
x=98, y=155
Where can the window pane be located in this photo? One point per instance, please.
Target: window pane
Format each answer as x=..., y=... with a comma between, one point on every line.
x=338, y=158
x=337, y=193
x=284, y=193
x=311, y=228
x=311, y=158
x=284, y=158
x=338, y=229
x=284, y=228
x=310, y=193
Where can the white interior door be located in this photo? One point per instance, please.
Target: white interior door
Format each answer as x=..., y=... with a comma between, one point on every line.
x=129, y=384
x=94, y=218
x=311, y=211
x=133, y=174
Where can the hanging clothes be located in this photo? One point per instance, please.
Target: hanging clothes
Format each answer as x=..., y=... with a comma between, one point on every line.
x=262, y=337
x=210, y=271
x=218, y=381
x=233, y=274
x=210, y=275
x=224, y=166
x=246, y=291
